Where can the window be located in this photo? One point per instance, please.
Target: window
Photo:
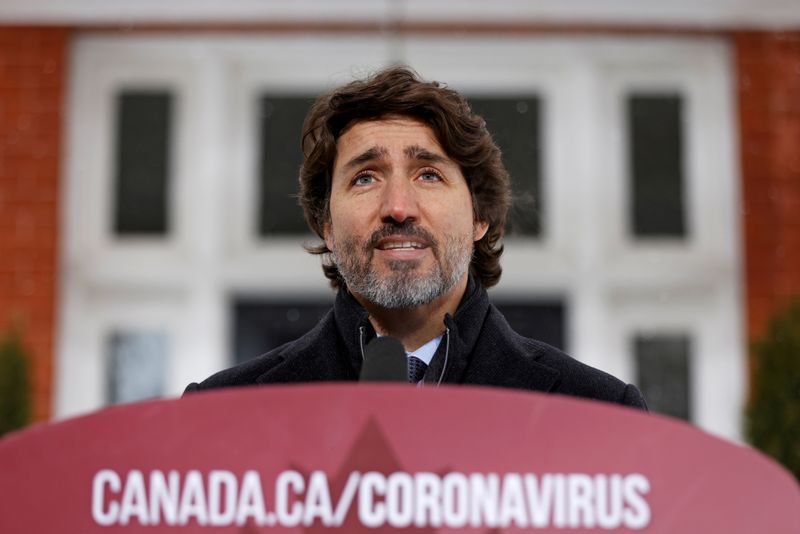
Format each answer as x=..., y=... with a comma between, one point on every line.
x=260, y=326
x=543, y=320
x=281, y=124
x=142, y=163
x=655, y=127
x=663, y=363
x=137, y=366
x=514, y=124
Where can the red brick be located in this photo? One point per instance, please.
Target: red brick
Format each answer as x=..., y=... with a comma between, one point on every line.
x=768, y=70
x=32, y=81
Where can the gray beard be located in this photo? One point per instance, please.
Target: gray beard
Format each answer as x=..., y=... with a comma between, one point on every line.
x=403, y=287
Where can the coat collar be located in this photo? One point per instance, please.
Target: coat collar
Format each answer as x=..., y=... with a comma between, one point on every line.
x=484, y=350
x=353, y=326
x=479, y=346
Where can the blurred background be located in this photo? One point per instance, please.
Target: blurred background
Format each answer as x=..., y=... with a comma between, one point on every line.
x=150, y=236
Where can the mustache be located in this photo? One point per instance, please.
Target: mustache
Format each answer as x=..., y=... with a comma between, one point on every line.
x=406, y=228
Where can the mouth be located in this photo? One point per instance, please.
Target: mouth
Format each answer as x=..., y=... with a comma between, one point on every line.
x=401, y=242
x=400, y=245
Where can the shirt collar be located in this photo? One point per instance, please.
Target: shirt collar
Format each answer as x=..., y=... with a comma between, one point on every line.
x=426, y=351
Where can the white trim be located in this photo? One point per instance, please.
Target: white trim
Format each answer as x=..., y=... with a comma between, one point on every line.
x=298, y=68
x=688, y=13
x=179, y=284
x=191, y=11
x=714, y=14
x=610, y=281
x=717, y=365
x=611, y=286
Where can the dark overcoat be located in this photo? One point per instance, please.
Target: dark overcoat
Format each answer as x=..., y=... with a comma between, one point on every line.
x=479, y=347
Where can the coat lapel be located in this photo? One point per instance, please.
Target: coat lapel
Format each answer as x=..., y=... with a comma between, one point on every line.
x=318, y=356
x=484, y=350
x=510, y=365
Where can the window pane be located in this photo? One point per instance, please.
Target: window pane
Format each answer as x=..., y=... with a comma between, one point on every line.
x=281, y=122
x=261, y=326
x=656, y=166
x=663, y=373
x=514, y=124
x=142, y=165
x=542, y=320
x=137, y=367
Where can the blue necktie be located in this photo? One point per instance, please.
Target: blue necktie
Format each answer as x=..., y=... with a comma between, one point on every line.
x=416, y=369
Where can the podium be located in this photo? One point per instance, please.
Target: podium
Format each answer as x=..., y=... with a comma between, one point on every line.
x=378, y=458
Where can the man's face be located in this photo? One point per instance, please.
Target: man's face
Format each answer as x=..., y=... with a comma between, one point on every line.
x=401, y=222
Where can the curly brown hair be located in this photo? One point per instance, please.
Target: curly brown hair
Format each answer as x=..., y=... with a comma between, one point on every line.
x=399, y=91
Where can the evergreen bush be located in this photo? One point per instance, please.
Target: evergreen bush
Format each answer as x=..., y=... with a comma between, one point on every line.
x=773, y=413
x=15, y=390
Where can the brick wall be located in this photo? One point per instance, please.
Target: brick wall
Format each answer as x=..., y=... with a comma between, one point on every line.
x=32, y=82
x=769, y=113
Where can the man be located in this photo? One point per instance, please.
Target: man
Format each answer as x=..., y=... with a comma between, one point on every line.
x=407, y=190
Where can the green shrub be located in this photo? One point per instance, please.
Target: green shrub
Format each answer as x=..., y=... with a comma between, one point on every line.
x=773, y=413
x=15, y=391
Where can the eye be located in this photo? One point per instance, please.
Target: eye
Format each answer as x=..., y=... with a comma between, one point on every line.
x=430, y=175
x=364, y=178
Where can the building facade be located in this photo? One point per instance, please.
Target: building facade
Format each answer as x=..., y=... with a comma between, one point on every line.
x=148, y=161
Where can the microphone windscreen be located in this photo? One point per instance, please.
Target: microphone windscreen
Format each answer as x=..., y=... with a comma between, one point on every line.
x=384, y=361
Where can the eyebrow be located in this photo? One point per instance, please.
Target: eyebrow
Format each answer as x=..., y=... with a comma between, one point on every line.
x=423, y=154
x=370, y=154
x=414, y=152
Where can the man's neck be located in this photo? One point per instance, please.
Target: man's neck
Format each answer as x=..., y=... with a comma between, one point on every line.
x=416, y=326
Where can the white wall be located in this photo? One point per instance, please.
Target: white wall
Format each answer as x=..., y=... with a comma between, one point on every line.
x=615, y=287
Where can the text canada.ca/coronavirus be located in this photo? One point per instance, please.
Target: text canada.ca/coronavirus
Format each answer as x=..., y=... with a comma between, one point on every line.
x=400, y=499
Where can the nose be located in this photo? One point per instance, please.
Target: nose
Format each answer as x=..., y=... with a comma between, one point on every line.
x=399, y=202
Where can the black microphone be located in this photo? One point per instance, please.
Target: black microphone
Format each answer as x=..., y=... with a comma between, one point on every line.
x=384, y=361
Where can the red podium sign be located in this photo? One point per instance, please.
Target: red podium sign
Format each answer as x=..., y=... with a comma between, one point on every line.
x=361, y=458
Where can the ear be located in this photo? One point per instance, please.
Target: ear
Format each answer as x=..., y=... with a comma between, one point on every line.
x=479, y=230
x=326, y=235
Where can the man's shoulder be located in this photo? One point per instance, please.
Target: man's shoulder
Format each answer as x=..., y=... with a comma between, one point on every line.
x=259, y=369
x=581, y=380
x=246, y=373
x=550, y=369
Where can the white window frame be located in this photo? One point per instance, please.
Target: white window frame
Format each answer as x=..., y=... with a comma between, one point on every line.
x=613, y=288
x=185, y=278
